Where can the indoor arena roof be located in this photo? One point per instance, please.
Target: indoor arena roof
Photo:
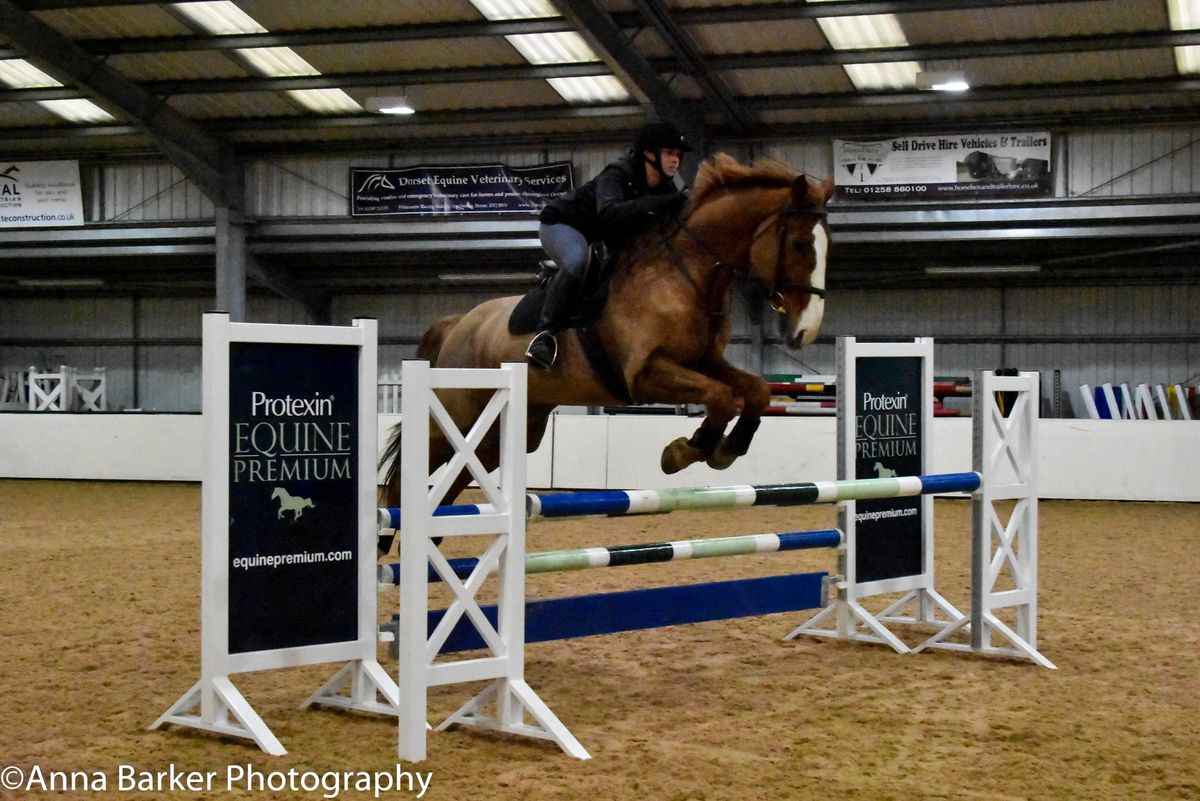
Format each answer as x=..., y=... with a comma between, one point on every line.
x=104, y=77
x=203, y=84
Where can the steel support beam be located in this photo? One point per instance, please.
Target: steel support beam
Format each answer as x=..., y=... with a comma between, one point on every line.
x=691, y=60
x=596, y=25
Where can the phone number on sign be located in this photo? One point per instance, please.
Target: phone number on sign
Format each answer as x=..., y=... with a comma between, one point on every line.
x=886, y=189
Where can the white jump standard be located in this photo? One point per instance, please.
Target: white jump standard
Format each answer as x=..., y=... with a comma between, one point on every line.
x=900, y=430
x=271, y=596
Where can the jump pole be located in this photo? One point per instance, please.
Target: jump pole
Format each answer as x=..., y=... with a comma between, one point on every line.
x=269, y=596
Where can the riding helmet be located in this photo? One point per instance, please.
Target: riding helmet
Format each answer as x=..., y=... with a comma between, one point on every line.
x=659, y=134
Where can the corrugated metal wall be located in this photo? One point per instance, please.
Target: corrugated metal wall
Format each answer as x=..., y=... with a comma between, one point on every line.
x=1091, y=333
x=1107, y=163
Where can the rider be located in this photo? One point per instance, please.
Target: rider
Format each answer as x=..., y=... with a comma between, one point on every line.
x=618, y=203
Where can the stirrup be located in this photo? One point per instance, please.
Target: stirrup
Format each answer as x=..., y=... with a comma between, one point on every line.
x=536, y=353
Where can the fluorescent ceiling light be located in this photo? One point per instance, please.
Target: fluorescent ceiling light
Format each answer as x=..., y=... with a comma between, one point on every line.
x=20, y=74
x=566, y=47
x=1185, y=15
x=225, y=19
x=60, y=283
x=942, y=81
x=985, y=269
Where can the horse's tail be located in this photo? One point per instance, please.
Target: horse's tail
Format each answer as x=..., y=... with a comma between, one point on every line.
x=429, y=348
x=431, y=343
x=391, y=460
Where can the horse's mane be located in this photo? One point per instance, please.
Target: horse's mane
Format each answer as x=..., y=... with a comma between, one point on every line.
x=721, y=172
x=725, y=172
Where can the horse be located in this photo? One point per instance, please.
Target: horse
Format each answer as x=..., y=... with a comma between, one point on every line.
x=661, y=335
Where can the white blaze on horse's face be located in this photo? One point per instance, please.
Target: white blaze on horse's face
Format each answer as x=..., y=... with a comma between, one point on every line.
x=803, y=330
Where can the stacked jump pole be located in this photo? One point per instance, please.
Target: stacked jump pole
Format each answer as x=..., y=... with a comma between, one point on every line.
x=1004, y=566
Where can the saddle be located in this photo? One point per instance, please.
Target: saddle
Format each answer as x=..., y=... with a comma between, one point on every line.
x=588, y=305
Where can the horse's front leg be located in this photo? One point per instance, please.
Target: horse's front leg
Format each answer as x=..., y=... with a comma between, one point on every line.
x=755, y=394
x=664, y=381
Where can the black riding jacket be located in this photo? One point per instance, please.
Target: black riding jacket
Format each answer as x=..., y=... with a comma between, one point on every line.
x=615, y=205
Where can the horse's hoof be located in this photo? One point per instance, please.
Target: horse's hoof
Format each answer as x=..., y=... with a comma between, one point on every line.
x=678, y=455
x=721, y=459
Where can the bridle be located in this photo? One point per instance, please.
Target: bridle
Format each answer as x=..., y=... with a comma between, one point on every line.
x=774, y=293
x=775, y=296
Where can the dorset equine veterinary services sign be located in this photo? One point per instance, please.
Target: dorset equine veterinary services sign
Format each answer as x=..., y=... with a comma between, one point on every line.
x=965, y=166
x=457, y=189
x=40, y=194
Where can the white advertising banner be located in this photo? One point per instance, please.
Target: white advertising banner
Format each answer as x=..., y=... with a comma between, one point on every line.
x=40, y=193
x=962, y=166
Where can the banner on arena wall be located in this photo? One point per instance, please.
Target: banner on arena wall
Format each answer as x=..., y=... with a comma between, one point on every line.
x=457, y=189
x=944, y=167
x=40, y=194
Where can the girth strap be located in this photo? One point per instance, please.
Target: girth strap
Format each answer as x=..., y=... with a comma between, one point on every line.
x=602, y=365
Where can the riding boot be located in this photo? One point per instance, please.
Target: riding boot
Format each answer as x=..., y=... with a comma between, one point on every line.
x=560, y=297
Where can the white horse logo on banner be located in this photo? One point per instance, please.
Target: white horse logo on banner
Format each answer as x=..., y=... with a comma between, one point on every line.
x=290, y=503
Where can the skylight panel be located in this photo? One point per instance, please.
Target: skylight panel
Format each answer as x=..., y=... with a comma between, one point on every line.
x=515, y=9
x=77, y=109
x=884, y=75
x=20, y=74
x=566, y=47
x=590, y=89
x=221, y=17
x=871, y=30
x=326, y=101
x=552, y=48
x=1185, y=15
x=225, y=18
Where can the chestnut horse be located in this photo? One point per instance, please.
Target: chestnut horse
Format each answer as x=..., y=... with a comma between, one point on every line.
x=665, y=325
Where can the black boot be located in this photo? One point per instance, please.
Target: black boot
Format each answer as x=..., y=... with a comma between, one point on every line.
x=560, y=298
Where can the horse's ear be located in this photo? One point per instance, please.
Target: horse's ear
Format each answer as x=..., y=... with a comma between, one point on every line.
x=827, y=188
x=810, y=192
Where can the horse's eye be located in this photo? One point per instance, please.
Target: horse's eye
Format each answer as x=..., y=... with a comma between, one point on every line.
x=800, y=246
